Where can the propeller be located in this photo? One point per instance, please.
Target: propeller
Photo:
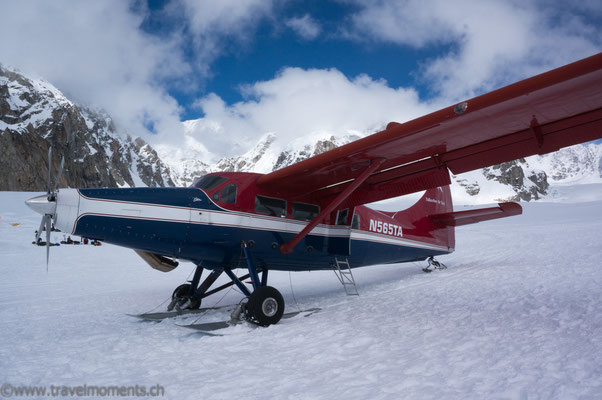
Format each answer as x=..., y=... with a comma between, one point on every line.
x=47, y=206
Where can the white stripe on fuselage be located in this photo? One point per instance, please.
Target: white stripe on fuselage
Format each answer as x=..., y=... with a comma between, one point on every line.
x=381, y=238
x=184, y=215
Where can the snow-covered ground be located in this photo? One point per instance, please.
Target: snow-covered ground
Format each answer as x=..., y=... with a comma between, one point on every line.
x=517, y=315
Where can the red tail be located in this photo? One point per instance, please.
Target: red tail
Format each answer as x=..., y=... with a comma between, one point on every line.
x=416, y=221
x=433, y=219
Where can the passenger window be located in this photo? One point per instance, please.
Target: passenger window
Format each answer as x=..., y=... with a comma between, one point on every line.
x=270, y=206
x=229, y=194
x=305, y=212
x=355, y=224
x=342, y=216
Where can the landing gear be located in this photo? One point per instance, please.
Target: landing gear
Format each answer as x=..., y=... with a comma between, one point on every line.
x=181, y=299
x=434, y=264
x=188, y=296
x=265, y=306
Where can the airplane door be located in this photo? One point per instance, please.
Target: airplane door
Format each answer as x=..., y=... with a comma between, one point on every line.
x=199, y=217
x=339, y=238
x=198, y=220
x=212, y=228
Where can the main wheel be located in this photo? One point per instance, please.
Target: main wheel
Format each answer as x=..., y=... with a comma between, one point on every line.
x=265, y=306
x=182, y=293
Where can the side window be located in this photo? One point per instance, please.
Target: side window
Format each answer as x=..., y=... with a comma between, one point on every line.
x=342, y=216
x=270, y=206
x=305, y=212
x=355, y=224
x=229, y=194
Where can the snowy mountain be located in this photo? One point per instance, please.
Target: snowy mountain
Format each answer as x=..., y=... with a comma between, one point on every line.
x=186, y=161
x=35, y=115
x=517, y=315
x=527, y=179
x=571, y=165
x=531, y=178
x=269, y=155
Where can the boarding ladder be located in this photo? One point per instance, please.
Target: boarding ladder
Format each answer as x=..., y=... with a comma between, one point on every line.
x=342, y=270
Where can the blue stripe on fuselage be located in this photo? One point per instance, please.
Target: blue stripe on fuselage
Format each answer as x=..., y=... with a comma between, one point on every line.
x=176, y=197
x=219, y=246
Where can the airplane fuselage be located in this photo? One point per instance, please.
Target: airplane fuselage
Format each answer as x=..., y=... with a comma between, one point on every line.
x=209, y=224
x=307, y=215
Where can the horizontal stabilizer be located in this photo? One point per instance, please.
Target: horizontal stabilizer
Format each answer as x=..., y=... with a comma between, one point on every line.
x=467, y=217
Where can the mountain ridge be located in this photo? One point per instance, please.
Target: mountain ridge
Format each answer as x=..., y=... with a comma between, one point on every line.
x=35, y=115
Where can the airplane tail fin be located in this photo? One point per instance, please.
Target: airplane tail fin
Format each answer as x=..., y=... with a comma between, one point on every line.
x=434, y=201
x=434, y=214
x=416, y=219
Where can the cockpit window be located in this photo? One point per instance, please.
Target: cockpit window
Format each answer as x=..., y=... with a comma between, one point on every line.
x=209, y=182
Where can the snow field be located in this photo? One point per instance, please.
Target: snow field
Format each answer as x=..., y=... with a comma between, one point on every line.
x=517, y=315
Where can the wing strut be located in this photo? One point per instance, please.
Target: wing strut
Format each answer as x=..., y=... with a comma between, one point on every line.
x=287, y=248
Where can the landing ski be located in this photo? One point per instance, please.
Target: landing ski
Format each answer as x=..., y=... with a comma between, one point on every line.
x=160, y=316
x=209, y=328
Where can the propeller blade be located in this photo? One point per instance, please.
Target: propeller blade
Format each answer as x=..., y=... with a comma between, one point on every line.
x=58, y=177
x=49, y=167
x=48, y=227
x=42, y=223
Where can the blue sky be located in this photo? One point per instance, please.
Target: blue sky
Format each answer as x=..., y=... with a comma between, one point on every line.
x=273, y=48
x=246, y=68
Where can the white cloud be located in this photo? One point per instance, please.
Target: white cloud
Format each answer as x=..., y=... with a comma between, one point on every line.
x=96, y=53
x=300, y=102
x=306, y=27
x=492, y=42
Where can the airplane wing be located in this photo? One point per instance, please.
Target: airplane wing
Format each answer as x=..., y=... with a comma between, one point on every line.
x=538, y=115
x=466, y=217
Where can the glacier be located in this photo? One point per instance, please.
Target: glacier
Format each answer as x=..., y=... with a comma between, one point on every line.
x=517, y=314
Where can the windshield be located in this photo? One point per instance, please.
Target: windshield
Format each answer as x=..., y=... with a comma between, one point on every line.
x=209, y=182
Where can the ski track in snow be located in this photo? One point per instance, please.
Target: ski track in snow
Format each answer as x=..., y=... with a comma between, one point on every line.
x=517, y=315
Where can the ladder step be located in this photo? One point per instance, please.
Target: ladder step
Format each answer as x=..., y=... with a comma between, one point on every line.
x=345, y=276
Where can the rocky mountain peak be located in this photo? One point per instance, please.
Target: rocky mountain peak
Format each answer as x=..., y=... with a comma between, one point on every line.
x=528, y=184
x=249, y=160
x=35, y=115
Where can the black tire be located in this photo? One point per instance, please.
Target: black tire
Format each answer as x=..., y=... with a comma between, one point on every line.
x=183, y=292
x=265, y=306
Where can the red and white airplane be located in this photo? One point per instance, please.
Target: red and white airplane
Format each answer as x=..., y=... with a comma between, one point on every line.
x=311, y=215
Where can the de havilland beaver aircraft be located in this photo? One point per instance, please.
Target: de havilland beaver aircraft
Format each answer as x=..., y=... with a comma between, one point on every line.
x=311, y=215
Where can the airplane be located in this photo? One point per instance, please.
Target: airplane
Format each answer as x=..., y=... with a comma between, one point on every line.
x=312, y=215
